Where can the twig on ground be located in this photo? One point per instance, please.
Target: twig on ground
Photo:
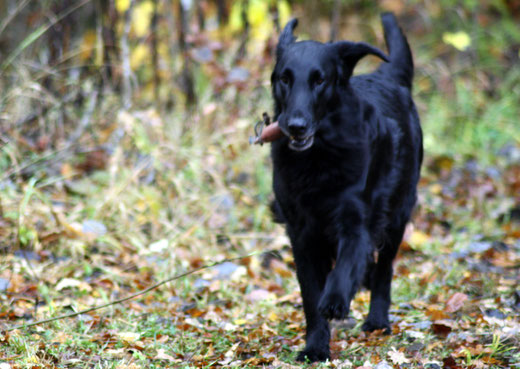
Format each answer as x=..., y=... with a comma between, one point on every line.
x=137, y=294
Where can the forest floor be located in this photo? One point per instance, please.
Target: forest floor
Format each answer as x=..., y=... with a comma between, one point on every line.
x=456, y=300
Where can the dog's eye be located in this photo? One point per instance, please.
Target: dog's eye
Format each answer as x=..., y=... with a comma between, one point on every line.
x=284, y=80
x=319, y=81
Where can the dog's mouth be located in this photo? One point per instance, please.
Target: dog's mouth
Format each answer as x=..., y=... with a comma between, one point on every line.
x=301, y=143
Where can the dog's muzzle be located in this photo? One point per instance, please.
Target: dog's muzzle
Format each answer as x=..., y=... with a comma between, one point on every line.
x=301, y=144
x=298, y=132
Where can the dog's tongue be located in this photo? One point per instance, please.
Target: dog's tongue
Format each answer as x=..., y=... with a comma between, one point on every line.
x=271, y=133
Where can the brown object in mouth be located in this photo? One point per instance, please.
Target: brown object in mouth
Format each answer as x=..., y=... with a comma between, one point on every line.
x=271, y=133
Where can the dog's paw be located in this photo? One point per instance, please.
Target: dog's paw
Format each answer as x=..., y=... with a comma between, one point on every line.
x=372, y=325
x=312, y=355
x=333, y=306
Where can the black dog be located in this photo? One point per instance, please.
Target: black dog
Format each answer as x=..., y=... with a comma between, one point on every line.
x=345, y=172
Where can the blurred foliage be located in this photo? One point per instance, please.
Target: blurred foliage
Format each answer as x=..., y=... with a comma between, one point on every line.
x=60, y=52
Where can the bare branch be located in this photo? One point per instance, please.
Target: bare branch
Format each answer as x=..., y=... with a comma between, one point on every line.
x=133, y=296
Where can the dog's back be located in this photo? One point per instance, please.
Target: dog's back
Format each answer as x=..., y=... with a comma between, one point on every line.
x=389, y=90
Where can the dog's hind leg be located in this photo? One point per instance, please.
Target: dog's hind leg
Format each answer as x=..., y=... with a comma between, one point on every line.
x=380, y=281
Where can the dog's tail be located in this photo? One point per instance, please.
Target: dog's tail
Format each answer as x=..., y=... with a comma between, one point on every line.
x=401, y=61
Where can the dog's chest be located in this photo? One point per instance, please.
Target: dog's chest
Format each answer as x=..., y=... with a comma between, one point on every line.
x=315, y=177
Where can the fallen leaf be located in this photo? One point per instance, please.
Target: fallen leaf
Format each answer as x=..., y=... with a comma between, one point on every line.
x=342, y=364
x=418, y=239
x=443, y=327
x=459, y=40
x=397, y=357
x=436, y=314
x=272, y=316
x=128, y=366
x=159, y=246
x=72, y=283
x=436, y=188
x=280, y=268
x=259, y=295
x=231, y=352
x=450, y=363
x=162, y=355
x=456, y=302
x=119, y=353
x=129, y=337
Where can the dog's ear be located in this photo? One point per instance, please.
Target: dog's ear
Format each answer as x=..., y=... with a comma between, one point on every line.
x=286, y=37
x=351, y=52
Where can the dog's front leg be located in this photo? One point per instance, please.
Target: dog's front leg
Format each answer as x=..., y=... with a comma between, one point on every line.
x=343, y=282
x=312, y=267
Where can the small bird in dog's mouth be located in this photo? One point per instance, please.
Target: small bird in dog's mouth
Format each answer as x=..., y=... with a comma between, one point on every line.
x=265, y=131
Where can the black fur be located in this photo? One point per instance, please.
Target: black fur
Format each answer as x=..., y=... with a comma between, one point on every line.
x=345, y=172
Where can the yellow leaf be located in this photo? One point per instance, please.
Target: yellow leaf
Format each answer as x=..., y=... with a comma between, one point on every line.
x=141, y=18
x=284, y=12
x=87, y=45
x=240, y=321
x=436, y=189
x=129, y=337
x=459, y=40
x=138, y=56
x=257, y=12
x=235, y=17
x=272, y=317
x=418, y=239
x=259, y=19
x=122, y=5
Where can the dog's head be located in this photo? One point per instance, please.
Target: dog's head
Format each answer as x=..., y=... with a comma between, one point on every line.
x=306, y=80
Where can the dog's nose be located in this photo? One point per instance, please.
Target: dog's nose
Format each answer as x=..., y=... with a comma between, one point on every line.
x=297, y=126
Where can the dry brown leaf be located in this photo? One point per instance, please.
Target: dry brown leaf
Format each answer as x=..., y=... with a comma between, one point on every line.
x=455, y=302
x=280, y=268
x=162, y=355
x=436, y=314
x=443, y=327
